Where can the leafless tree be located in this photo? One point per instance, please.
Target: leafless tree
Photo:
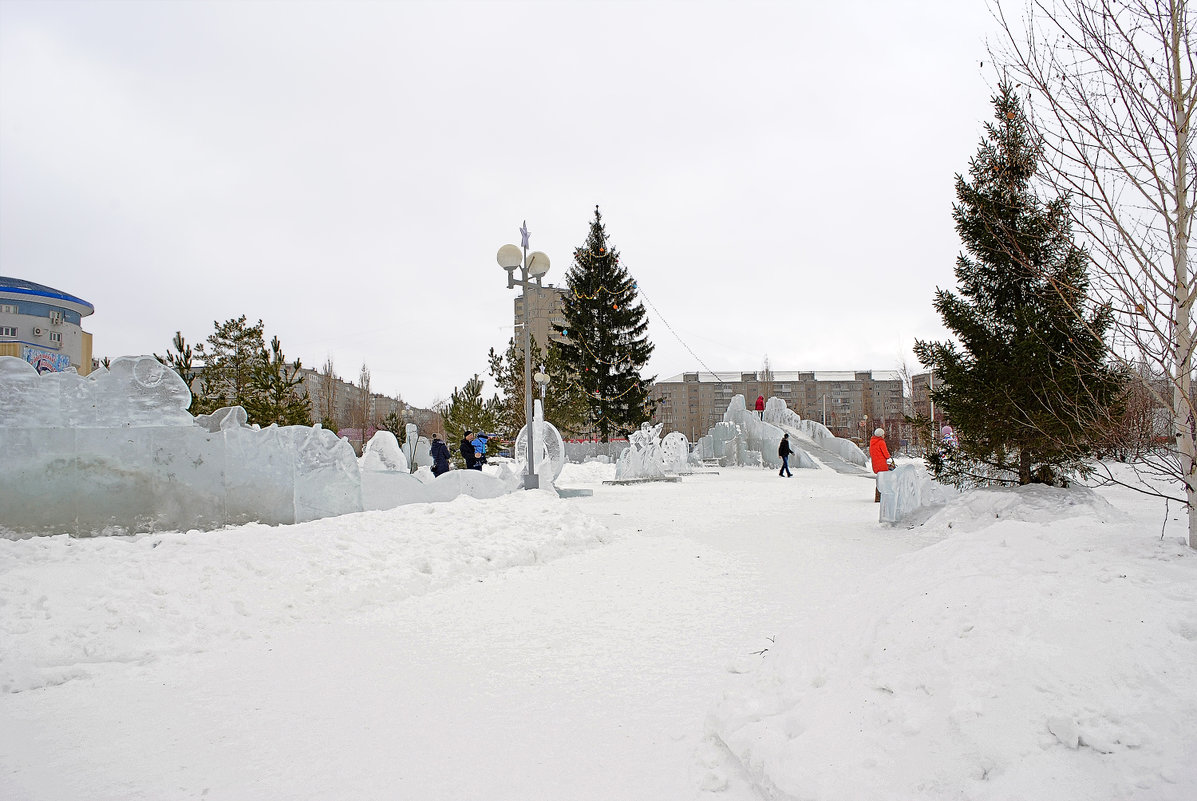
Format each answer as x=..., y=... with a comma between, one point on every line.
x=327, y=409
x=767, y=378
x=1112, y=95
x=363, y=413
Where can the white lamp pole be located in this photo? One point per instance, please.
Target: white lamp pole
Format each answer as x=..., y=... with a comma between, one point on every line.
x=532, y=266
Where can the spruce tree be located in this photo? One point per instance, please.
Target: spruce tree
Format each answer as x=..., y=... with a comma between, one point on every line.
x=605, y=338
x=1028, y=377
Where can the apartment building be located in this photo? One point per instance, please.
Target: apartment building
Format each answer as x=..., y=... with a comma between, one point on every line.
x=850, y=403
x=544, y=308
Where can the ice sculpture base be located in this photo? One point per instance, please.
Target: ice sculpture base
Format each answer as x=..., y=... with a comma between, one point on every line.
x=620, y=481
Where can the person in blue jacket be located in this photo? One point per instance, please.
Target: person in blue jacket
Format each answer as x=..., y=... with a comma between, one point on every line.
x=479, y=444
x=440, y=455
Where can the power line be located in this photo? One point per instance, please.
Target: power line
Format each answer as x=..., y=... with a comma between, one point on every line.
x=661, y=317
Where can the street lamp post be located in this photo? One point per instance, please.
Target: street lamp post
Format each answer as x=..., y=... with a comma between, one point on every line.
x=532, y=266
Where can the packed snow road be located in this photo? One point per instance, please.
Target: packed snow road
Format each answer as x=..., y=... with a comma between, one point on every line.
x=438, y=652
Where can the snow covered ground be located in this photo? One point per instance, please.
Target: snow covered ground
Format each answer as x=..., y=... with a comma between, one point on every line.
x=734, y=636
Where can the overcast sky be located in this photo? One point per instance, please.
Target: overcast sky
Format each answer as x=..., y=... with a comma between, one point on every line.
x=778, y=177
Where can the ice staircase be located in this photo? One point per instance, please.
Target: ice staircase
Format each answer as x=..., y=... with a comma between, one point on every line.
x=824, y=456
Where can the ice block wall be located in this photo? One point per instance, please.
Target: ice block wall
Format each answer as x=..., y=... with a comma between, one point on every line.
x=116, y=452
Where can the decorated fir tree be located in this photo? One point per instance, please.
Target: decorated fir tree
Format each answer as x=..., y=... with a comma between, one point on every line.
x=1025, y=381
x=604, y=338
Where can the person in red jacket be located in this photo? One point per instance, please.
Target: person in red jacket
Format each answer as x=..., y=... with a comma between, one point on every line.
x=760, y=406
x=879, y=453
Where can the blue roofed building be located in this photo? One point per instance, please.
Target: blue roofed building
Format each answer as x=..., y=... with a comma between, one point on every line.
x=44, y=326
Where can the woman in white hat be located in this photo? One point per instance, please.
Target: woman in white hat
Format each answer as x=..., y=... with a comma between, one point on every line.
x=879, y=453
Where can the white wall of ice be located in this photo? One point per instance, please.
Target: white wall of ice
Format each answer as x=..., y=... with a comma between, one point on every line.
x=116, y=452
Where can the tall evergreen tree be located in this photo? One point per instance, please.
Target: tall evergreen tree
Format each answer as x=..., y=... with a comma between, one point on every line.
x=1028, y=375
x=272, y=396
x=605, y=338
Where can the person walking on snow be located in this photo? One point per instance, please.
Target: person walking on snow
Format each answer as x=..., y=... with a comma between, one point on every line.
x=879, y=453
x=760, y=406
x=784, y=450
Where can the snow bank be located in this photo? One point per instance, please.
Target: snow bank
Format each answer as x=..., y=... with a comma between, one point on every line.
x=71, y=602
x=1018, y=657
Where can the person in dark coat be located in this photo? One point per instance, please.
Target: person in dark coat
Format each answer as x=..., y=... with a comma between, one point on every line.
x=440, y=455
x=467, y=449
x=784, y=450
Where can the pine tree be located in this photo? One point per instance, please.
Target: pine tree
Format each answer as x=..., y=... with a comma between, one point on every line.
x=466, y=410
x=605, y=338
x=272, y=396
x=1028, y=375
x=229, y=360
x=180, y=360
x=563, y=405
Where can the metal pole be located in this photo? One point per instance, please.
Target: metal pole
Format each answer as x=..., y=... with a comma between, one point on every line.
x=531, y=480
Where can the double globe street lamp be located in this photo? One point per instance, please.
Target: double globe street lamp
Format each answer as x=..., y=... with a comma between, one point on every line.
x=532, y=268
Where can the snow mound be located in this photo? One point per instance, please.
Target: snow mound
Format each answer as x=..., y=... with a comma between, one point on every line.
x=586, y=473
x=981, y=508
x=70, y=603
x=1012, y=659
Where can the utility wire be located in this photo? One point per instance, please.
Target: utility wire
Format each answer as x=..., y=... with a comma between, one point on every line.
x=661, y=317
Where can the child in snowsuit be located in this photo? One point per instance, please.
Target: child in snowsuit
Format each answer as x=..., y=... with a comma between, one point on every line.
x=479, y=444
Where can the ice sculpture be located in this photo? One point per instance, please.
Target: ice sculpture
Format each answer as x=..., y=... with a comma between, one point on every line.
x=901, y=492
x=416, y=449
x=675, y=450
x=550, y=448
x=382, y=452
x=117, y=452
x=643, y=458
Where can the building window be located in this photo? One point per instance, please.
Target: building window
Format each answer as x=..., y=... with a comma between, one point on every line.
x=55, y=316
x=8, y=308
x=56, y=337
x=8, y=330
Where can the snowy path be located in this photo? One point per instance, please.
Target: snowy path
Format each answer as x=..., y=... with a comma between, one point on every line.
x=589, y=677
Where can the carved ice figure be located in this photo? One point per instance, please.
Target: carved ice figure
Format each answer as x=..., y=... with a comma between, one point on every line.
x=550, y=447
x=382, y=452
x=760, y=436
x=676, y=450
x=416, y=449
x=643, y=457
x=901, y=492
